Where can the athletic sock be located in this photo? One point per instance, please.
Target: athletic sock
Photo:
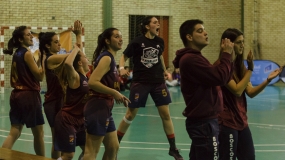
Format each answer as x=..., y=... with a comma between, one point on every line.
x=171, y=140
x=120, y=136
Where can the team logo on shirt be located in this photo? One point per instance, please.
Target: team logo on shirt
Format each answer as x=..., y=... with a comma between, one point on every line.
x=137, y=96
x=149, y=57
x=117, y=86
x=85, y=83
x=71, y=139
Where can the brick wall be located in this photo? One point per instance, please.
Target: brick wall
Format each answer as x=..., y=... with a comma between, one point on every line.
x=269, y=28
x=40, y=13
x=265, y=25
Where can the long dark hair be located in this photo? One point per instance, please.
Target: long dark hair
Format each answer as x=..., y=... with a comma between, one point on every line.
x=14, y=42
x=44, y=39
x=101, y=44
x=146, y=21
x=232, y=34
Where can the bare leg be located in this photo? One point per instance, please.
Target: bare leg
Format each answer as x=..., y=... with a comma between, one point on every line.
x=15, y=132
x=92, y=146
x=111, y=146
x=39, y=145
x=166, y=120
x=169, y=131
x=130, y=115
x=67, y=155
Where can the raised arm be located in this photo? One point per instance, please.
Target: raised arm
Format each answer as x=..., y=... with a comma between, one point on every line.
x=202, y=72
x=73, y=78
x=77, y=30
x=37, y=71
x=55, y=60
x=253, y=91
x=238, y=88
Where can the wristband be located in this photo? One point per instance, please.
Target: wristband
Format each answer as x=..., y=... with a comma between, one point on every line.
x=122, y=68
x=250, y=69
x=268, y=80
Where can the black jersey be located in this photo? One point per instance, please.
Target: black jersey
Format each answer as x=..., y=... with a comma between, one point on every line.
x=21, y=77
x=147, y=67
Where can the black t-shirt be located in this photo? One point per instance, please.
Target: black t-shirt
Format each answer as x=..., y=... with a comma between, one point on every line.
x=146, y=54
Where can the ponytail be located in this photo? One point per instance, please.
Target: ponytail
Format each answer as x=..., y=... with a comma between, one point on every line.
x=14, y=42
x=10, y=48
x=101, y=44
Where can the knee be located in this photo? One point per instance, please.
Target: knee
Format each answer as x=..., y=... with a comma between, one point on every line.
x=165, y=116
x=164, y=112
x=67, y=156
x=39, y=135
x=112, y=149
x=129, y=116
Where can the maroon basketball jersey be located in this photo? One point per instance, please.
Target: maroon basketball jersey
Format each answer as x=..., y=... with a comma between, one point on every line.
x=76, y=98
x=110, y=79
x=54, y=89
x=21, y=78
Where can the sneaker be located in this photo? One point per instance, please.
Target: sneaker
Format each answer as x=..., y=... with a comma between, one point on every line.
x=175, y=153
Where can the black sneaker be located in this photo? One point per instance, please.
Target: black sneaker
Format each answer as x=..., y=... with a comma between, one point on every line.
x=175, y=153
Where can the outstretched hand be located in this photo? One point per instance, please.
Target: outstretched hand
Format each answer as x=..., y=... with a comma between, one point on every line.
x=77, y=28
x=249, y=61
x=165, y=75
x=124, y=73
x=275, y=73
x=121, y=99
x=227, y=46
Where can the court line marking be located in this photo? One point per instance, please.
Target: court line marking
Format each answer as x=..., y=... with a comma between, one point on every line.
x=187, y=144
x=156, y=143
x=4, y=116
x=28, y=134
x=150, y=115
x=144, y=148
x=270, y=125
x=187, y=149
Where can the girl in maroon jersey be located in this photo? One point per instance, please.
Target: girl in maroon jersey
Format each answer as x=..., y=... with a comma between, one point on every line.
x=25, y=100
x=69, y=122
x=49, y=43
x=104, y=88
